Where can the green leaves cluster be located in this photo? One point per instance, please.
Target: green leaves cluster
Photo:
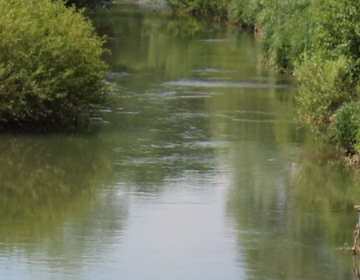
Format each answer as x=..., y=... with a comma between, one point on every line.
x=50, y=62
x=324, y=85
x=287, y=31
x=245, y=12
x=345, y=127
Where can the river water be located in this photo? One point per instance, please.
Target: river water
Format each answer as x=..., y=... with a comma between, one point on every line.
x=197, y=171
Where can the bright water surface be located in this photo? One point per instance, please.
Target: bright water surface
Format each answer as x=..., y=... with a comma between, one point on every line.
x=198, y=171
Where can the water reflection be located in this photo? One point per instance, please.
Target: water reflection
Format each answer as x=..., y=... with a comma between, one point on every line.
x=197, y=171
x=49, y=198
x=291, y=215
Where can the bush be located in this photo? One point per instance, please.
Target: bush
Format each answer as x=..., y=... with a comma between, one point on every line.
x=50, y=62
x=324, y=85
x=287, y=28
x=244, y=11
x=345, y=125
x=338, y=27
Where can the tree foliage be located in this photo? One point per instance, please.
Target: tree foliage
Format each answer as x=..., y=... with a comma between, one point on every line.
x=50, y=62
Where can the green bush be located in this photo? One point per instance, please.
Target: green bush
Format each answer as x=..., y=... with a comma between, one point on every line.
x=286, y=31
x=244, y=11
x=345, y=125
x=337, y=27
x=50, y=62
x=324, y=85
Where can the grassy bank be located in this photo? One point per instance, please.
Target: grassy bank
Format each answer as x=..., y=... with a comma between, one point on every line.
x=317, y=41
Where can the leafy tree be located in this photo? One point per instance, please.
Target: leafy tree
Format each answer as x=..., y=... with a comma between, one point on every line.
x=50, y=63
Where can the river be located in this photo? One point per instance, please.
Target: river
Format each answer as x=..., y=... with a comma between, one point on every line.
x=198, y=171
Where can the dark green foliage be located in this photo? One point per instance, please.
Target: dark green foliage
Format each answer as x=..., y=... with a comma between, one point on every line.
x=345, y=125
x=338, y=27
x=50, y=62
x=91, y=4
x=245, y=11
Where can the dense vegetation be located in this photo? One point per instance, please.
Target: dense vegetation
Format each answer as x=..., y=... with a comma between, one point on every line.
x=90, y=4
x=317, y=41
x=50, y=63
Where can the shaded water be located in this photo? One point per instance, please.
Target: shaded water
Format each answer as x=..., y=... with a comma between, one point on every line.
x=198, y=171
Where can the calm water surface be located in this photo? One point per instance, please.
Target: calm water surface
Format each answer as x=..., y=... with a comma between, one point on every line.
x=197, y=172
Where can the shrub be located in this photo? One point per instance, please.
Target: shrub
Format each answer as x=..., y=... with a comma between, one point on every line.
x=324, y=85
x=244, y=11
x=345, y=125
x=50, y=62
x=287, y=28
x=338, y=27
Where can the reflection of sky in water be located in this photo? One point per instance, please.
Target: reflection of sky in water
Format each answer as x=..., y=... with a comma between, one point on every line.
x=178, y=235
x=181, y=233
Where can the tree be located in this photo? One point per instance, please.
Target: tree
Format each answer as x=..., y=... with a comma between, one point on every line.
x=51, y=63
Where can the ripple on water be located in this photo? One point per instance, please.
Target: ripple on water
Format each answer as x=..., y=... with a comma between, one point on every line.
x=223, y=84
x=213, y=70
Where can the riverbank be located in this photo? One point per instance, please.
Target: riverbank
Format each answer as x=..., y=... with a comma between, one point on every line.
x=315, y=41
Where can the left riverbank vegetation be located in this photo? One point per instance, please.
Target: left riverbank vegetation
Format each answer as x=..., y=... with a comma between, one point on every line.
x=88, y=4
x=318, y=42
x=51, y=65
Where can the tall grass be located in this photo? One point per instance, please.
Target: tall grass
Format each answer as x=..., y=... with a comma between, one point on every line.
x=287, y=31
x=244, y=12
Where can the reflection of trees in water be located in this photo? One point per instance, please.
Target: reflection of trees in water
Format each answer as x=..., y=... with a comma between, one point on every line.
x=324, y=185
x=297, y=238
x=149, y=43
x=160, y=143
x=48, y=183
x=163, y=47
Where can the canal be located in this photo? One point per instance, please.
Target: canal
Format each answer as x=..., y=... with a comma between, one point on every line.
x=197, y=171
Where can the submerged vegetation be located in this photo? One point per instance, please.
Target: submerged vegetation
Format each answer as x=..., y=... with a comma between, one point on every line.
x=50, y=63
x=317, y=41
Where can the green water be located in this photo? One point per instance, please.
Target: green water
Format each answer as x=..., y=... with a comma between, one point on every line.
x=197, y=171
